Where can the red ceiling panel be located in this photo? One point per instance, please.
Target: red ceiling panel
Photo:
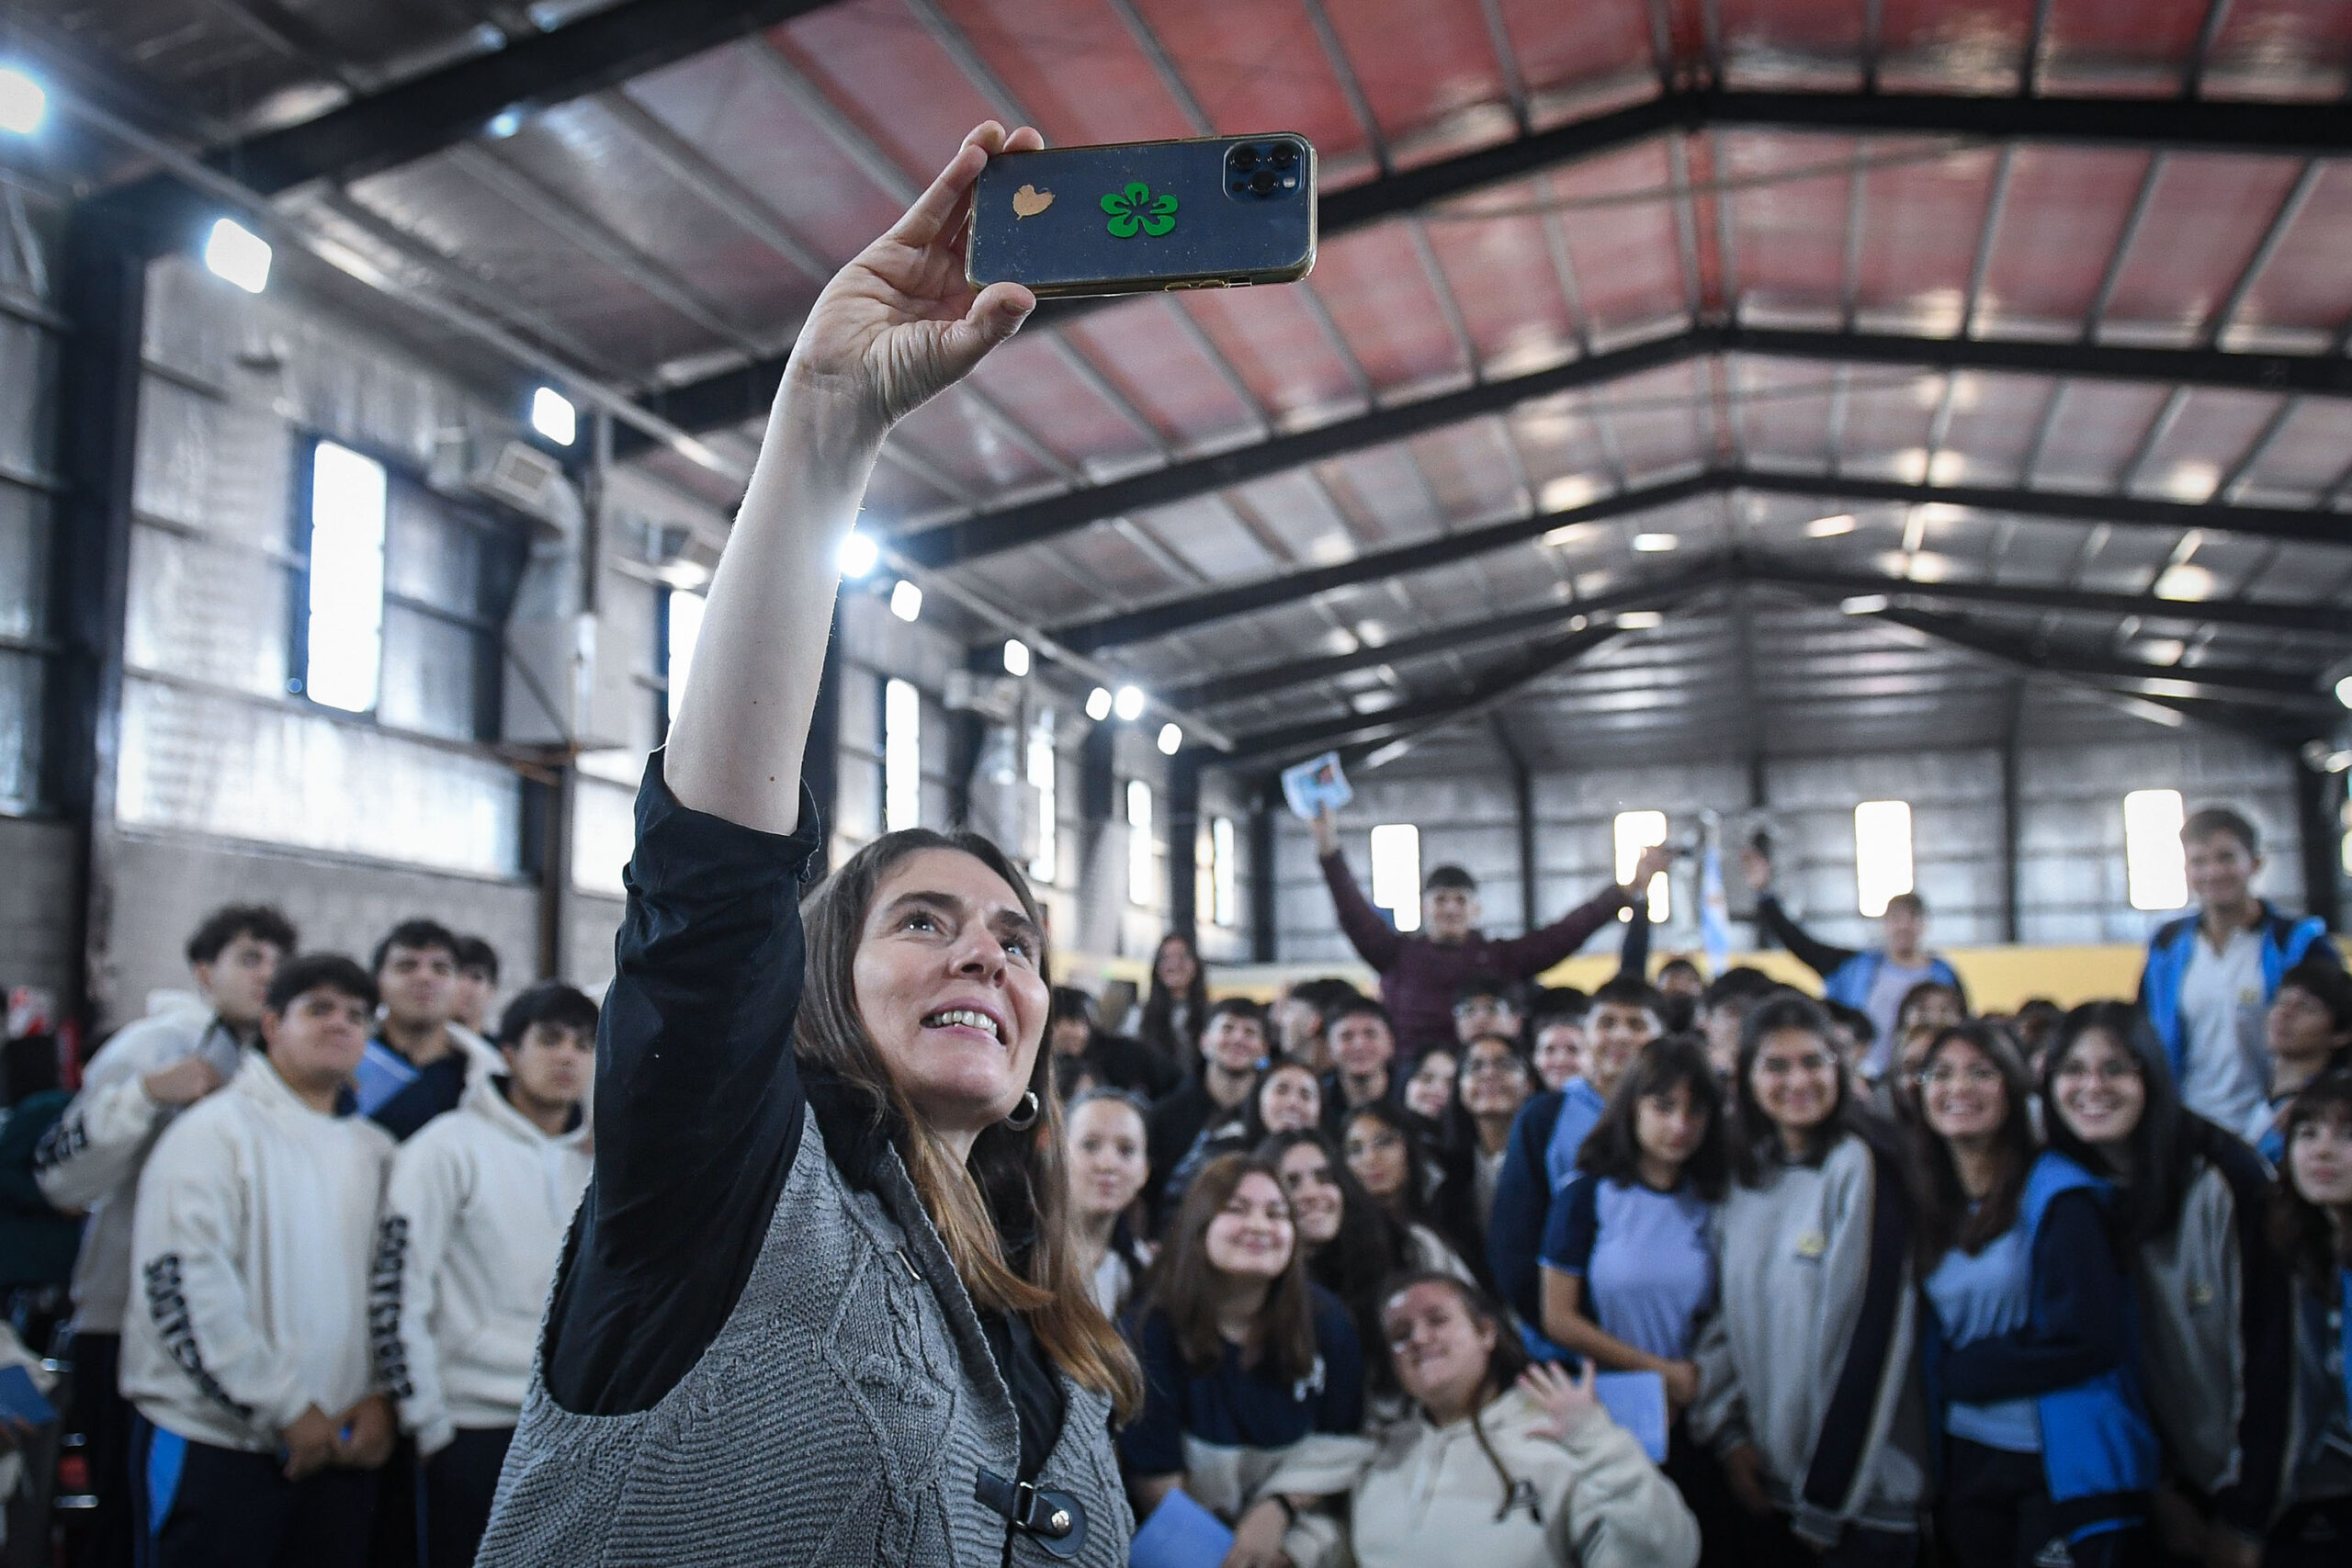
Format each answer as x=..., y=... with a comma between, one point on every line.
x=972, y=448
x=1769, y=45
x=2310, y=453
x=1626, y=257
x=1560, y=439
x=2066, y=213
x=875, y=64
x=1073, y=67
x=1472, y=472
x=2098, y=426
x=2204, y=442
x=2274, y=49
x=2119, y=46
x=2303, y=298
x=1270, y=338
x=2207, y=217
x=1260, y=68
x=1382, y=298
x=1972, y=46
x=1501, y=275
x=1921, y=227
x=1566, y=53
x=1429, y=72
x=1383, y=496
x=1030, y=376
x=1992, y=421
x=1788, y=236
x=1142, y=348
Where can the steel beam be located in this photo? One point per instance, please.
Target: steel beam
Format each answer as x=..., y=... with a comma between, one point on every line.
x=2322, y=619
x=2269, y=687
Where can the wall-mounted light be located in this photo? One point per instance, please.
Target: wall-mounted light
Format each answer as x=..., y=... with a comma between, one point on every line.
x=24, y=103
x=1016, y=656
x=236, y=255
x=1128, y=704
x=1098, y=704
x=906, y=600
x=858, y=555
x=1171, y=740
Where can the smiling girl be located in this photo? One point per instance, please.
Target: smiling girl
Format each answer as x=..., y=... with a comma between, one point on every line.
x=1104, y=1130
x=2311, y=1225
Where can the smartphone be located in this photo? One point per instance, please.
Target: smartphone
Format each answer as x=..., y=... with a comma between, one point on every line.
x=1212, y=212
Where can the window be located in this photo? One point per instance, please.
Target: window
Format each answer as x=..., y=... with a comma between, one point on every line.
x=1224, y=898
x=1141, y=889
x=1396, y=873
x=901, y=757
x=343, y=637
x=682, y=630
x=1636, y=831
x=1045, y=865
x=2155, y=866
x=1881, y=852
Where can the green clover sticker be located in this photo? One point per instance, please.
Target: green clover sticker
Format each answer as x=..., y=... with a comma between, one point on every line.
x=1135, y=208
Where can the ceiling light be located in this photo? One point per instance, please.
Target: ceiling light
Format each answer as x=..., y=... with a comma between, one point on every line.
x=1128, y=704
x=1016, y=656
x=24, y=103
x=858, y=555
x=906, y=600
x=1864, y=603
x=2185, y=582
x=1655, y=544
x=553, y=416
x=1566, y=492
x=238, y=255
x=1171, y=740
x=1829, y=527
x=1639, y=620
x=1098, y=704
x=504, y=123
x=2344, y=691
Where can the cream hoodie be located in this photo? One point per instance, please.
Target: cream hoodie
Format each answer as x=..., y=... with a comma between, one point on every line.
x=465, y=1256
x=250, y=1253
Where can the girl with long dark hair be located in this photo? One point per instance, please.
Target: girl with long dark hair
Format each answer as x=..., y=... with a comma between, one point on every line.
x=1107, y=1163
x=828, y=1164
x=2312, y=1227
x=2046, y=1443
x=1501, y=1463
x=1396, y=1170
x=1806, y=1381
x=1253, y=1377
x=2214, y=1301
x=1176, y=1007
x=1287, y=1098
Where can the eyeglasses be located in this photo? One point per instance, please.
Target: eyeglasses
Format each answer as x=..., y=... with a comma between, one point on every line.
x=1492, y=1066
x=1978, y=1077
x=2115, y=1070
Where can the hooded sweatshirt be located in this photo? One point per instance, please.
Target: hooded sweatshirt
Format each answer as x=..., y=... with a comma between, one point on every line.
x=1593, y=1499
x=1810, y=1355
x=92, y=1158
x=465, y=1254
x=255, y=1214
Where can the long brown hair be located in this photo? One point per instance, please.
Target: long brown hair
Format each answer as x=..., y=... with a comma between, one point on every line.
x=1014, y=1184
x=1182, y=1283
x=1947, y=1219
x=2300, y=1228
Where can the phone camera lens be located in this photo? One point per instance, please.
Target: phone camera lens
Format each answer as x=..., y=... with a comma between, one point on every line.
x=1264, y=182
x=1244, y=159
x=1283, y=155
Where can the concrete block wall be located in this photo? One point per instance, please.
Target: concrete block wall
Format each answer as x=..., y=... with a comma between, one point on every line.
x=37, y=896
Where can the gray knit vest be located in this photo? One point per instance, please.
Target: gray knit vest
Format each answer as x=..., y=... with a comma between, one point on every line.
x=841, y=1415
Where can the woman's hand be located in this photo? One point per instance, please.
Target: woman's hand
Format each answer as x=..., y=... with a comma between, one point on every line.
x=1258, y=1537
x=1326, y=824
x=1570, y=1402
x=899, y=325
x=1681, y=1385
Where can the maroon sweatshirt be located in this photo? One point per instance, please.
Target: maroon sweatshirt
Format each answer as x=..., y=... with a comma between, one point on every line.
x=1417, y=977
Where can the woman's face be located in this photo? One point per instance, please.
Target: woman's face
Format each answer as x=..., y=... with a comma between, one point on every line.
x=1251, y=1236
x=1494, y=1080
x=1961, y=1092
x=1106, y=1155
x=1440, y=1351
x=1794, y=1079
x=1559, y=1053
x=1377, y=1156
x=2099, y=1091
x=1430, y=1089
x=1669, y=1126
x=1067, y=1036
x=1315, y=1199
x=1290, y=1100
x=1938, y=1009
x=2320, y=1160
x=947, y=982
x=1175, y=964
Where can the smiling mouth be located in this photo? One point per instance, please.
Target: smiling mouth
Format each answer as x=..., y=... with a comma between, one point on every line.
x=965, y=1018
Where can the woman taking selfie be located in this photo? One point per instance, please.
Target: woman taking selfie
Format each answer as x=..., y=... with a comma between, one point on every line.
x=1103, y=1129
x=2216, y=1316
x=1253, y=1378
x=823, y=1289
x=2312, y=1227
x=1806, y=1384
x=2047, y=1448
x=1503, y=1464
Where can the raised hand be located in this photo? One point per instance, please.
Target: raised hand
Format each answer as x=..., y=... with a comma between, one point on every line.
x=1756, y=867
x=1569, y=1402
x=1657, y=858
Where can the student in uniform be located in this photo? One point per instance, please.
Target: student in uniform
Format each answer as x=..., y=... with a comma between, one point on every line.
x=422, y=1060
x=1873, y=979
x=477, y=984
x=2307, y=1031
x=2031, y=1363
x=1428, y=1093
x=1253, y=1377
x=1397, y=1172
x=466, y=1251
x=2213, y=1298
x=1484, y=1004
x=1503, y=1464
x=1494, y=1086
x=1104, y=1133
x=1224, y=1071
x=260, y=1424
x=1807, y=1386
x=90, y=1161
x=2310, y=1224
x=1286, y=1099
x=1559, y=1048
x=1363, y=1057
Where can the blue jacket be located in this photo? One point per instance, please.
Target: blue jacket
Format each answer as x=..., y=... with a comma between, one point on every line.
x=2099, y=1447
x=1850, y=983
x=1523, y=1193
x=2286, y=942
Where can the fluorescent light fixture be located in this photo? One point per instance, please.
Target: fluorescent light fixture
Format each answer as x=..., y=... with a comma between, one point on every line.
x=1171, y=740
x=1098, y=704
x=237, y=254
x=504, y=123
x=553, y=416
x=906, y=600
x=24, y=103
x=1829, y=527
x=1655, y=544
x=1864, y=603
x=1640, y=620
x=858, y=555
x=2344, y=691
x=1128, y=704
x=2186, y=583
x=1565, y=494
x=1016, y=656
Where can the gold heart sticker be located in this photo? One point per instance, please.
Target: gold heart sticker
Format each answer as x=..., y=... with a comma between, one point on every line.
x=1029, y=201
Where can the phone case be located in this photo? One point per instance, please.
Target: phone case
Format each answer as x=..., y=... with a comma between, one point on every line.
x=1213, y=212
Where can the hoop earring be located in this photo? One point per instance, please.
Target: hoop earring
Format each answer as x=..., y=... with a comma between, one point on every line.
x=1025, y=1115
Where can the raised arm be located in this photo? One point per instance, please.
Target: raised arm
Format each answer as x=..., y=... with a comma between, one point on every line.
x=1820, y=957
x=1367, y=931
x=1524, y=957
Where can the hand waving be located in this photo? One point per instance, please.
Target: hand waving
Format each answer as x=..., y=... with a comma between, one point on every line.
x=899, y=325
x=1569, y=1402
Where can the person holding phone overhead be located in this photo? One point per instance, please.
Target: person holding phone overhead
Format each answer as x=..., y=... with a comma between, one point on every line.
x=824, y=1302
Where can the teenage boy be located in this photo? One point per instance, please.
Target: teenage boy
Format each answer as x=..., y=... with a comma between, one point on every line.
x=2308, y=1030
x=477, y=982
x=1233, y=1050
x=90, y=1161
x=421, y=1058
x=466, y=1251
x=1483, y=1005
x=2211, y=975
x=1363, y=1059
x=1724, y=1007
x=1874, y=979
x=259, y=1431
x=1626, y=1014
x=1299, y=1020
x=1418, y=974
